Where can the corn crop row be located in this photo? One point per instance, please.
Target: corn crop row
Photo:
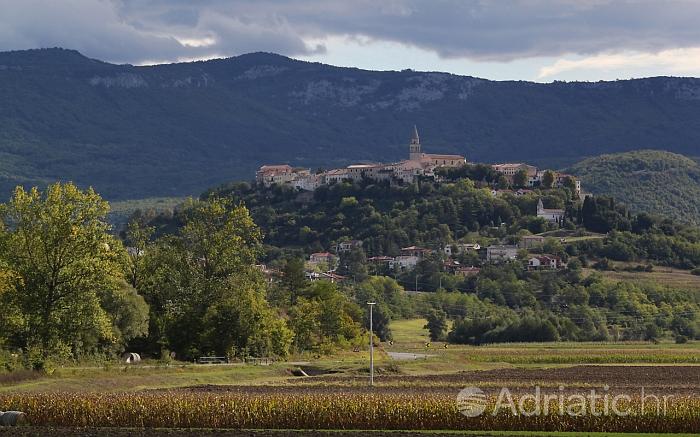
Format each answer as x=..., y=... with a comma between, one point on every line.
x=325, y=411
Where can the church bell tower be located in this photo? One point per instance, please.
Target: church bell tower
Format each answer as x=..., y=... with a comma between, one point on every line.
x=414, y=148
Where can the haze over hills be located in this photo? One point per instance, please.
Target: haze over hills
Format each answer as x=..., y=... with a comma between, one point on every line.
x=656, y=182
x=168, y=130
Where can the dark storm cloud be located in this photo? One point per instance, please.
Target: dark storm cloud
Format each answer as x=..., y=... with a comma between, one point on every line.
x=143, y=30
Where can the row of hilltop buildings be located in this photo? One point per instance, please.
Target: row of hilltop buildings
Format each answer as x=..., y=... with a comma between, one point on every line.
x=417, y=164
x=406, y=171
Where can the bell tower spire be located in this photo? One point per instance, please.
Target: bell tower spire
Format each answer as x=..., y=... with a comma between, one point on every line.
x=414, y=148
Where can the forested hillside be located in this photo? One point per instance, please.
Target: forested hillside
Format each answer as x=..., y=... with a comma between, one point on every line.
x=522, y=304
x=168, y=130
x=656, y=182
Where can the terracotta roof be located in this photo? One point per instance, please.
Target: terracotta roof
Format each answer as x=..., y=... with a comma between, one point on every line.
x=415, y=248
x=275, y=167
x=437, y=156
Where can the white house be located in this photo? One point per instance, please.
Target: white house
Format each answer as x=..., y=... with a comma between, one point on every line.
x=307, y=182
x=543, y=262
x=550, y=215
x=459, y=248
x=347, y=246
x=404, y=262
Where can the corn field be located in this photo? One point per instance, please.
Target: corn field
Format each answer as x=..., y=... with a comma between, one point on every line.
x=382, y=410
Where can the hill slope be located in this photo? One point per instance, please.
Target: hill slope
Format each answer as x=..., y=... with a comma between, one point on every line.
x=657, y=182
x=168, y=130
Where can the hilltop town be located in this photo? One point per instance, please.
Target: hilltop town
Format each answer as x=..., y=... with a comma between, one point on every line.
x=418, y=164
x=518, y=179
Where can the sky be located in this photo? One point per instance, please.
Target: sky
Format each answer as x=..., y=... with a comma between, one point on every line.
x=534, y=40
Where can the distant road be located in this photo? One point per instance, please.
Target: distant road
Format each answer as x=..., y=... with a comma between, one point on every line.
x=407, y=356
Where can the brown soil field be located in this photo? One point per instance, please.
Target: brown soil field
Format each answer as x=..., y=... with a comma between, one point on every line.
x=681, y=380
x=124, y=432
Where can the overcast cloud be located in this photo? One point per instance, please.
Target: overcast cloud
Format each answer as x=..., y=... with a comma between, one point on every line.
x=562, y=35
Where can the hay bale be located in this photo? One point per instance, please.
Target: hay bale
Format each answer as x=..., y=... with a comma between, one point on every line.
x=12, y=418
x=131, y=358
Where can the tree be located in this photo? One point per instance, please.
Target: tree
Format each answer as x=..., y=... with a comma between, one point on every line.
x=380, y=321
x=243, y=324
x=354, y=264
x=294, y=277
x=57, y=243
x=548, y=179
x=323, y=315
x=137, y=239
x=128, y=312
x=12, y=321
x=437, y=325
x=200, y=281
x=520, y=178
x=570, y=184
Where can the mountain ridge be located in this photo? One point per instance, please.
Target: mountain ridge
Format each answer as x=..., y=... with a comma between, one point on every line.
x=174, y=129
x=651, y=181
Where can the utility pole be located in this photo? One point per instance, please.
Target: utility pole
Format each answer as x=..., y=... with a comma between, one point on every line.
x=371, y=347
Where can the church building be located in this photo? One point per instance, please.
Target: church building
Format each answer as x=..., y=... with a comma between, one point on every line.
x=551, y=215
x=430, y=159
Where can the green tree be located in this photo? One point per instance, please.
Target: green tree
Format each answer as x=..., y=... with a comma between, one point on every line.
x=548, y=179
x=12, y=321
x=204, y=285
x=128, y=312
x=520, y=178
x=57, y=242
x=294, y=278
x=437, y=325
x=137, y=240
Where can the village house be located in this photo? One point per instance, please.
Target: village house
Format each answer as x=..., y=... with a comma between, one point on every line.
x=347, y=246
x=268, y=273
x=460, y=248
x=530, y=241
x=334, y=176
x=380, y=259
x=450, y=265
x=279, y=174
x=543, y=262
x=333, y=277
x=404, y=262
x=307, y=182
x=510, y=169
x=418, y=252
x=465, y=271
x=550, y=215
x=499, y=253
x=323, y=257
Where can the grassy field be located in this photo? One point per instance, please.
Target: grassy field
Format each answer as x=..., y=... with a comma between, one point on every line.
x=670, y=277
x=155, y=395
x=410, y=337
